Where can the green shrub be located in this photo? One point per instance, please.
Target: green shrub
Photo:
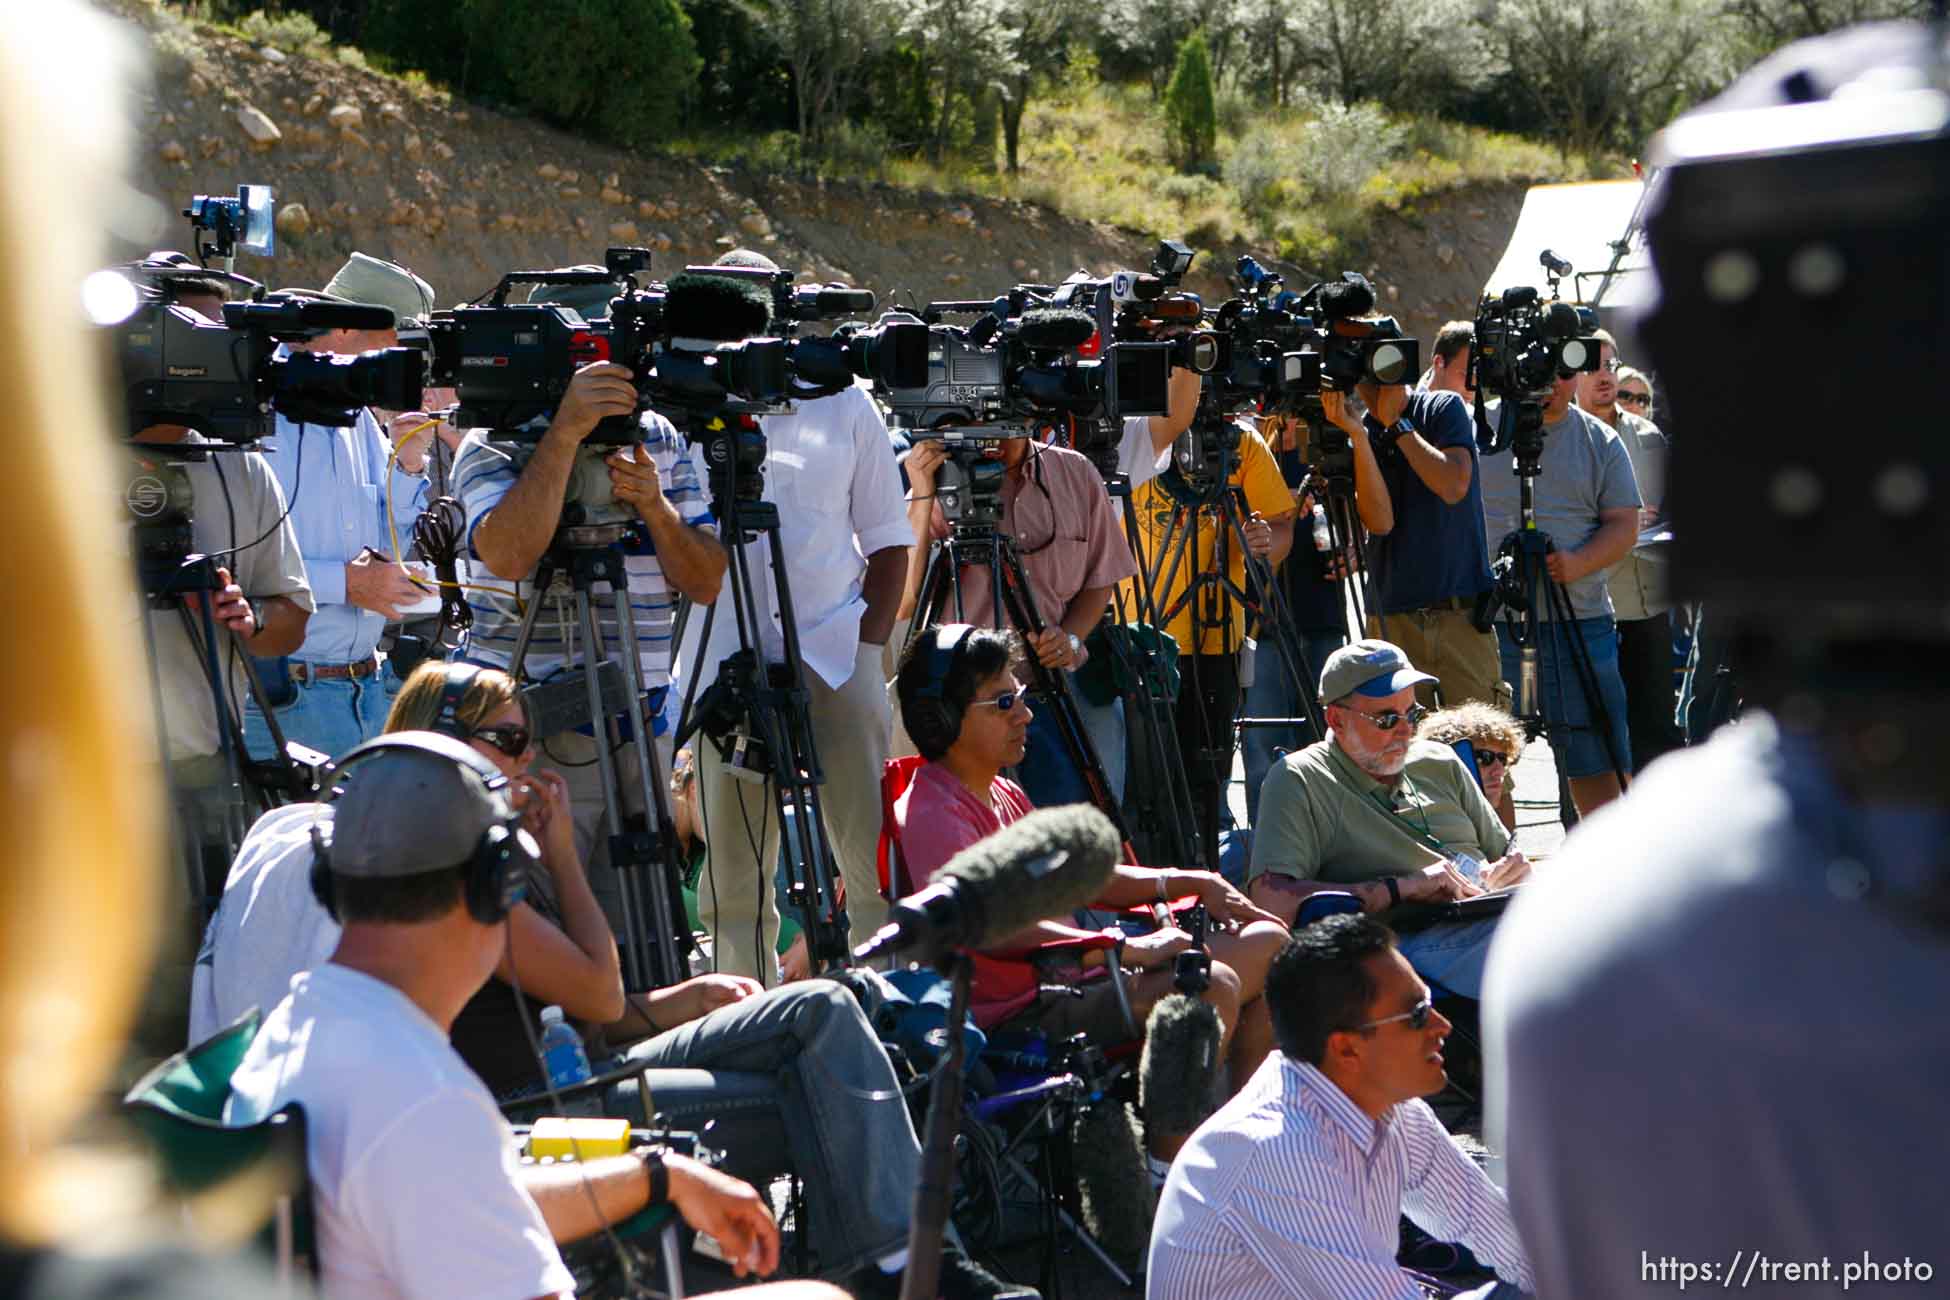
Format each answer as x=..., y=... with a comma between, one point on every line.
x=618, y=69
x=294, y=33
x=1189, y=104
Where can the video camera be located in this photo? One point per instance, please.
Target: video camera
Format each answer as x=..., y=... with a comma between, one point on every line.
x=1524, y=343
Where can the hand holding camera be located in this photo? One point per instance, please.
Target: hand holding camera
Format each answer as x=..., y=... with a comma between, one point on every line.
x=598, y=391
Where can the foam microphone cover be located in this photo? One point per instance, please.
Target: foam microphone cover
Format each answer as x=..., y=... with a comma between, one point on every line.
x=715, y=307
x=1178, y=1071
x=1046, y=865
x=1561, y=321
x=1055, y=328
x=1113, y=1184
x=1347, y=297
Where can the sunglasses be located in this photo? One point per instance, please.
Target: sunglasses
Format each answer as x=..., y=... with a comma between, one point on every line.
x=1490, y=758
x=512, y=741
x=1391, y=719
x=1001, y=703
x=1417, y=1017
x=1634, y=399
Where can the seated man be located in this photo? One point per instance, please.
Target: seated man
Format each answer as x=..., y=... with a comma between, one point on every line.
x=1387, y=817
x=417, y=1189
x=1294, y=1189
x=966, y=711
x=817, y=1082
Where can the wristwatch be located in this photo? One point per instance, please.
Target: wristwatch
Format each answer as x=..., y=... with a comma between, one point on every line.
x=1076, y=647
x=1393, y=433
x=652, y=1159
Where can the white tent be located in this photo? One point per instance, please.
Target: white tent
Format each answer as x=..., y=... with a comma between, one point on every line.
x=1579, y=223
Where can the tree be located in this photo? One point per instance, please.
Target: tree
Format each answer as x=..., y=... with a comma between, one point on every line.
x=1036, y=36
x=827, y=44
x=1401, y=55
x=1190, y=105
x=1759, y=27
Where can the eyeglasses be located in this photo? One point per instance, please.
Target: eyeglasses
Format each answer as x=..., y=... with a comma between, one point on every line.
x=1417, y=1017
x=512, y=741
x=1610, y=367
x=1490, y=758
x=1001, y=703
x=1391, y=719
x=1631, y=398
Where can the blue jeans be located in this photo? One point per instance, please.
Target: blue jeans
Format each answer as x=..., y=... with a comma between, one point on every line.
x=797, y=1082
x=1450, y=955
x=1274, y=694
x=1046, y=773
x=330, y=716
x=1575, y=739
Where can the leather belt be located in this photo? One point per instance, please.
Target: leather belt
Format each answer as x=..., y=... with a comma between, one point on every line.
x=307, y=672
x=1454, y=603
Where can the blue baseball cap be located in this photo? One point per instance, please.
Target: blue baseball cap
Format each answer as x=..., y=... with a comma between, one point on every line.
x=1372, y=668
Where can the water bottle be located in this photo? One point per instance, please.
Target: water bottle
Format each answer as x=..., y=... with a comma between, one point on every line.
x=1323, y=539
x=562, y=1055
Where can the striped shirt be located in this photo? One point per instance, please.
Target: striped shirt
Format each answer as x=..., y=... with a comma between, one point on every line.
x=1291, y=1190
x=482, y=476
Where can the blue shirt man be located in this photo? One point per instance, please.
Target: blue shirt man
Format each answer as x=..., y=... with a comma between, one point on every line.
x=352, y=506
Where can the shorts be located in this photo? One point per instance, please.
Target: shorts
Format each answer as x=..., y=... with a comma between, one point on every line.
x=1575, y=740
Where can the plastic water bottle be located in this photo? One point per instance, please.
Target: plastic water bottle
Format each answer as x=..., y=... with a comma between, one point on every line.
x=1323, y=539
x=562, y=1055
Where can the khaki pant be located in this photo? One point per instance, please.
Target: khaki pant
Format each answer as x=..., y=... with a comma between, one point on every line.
x=850, y=728
x=1444, y=642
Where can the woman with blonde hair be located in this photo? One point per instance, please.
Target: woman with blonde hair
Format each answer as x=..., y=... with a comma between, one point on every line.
x=1497, y=742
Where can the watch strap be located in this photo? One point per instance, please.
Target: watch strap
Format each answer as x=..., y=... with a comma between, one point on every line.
x=1394, y=891
x=659, y=1173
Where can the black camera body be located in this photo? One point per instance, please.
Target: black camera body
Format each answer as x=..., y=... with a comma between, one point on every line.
x=1524, y=344
x=968, y=485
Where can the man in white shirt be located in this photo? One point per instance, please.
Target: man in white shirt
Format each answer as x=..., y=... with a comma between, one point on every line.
x=829, y=468
x=1295, y=1188
x=416, y=1187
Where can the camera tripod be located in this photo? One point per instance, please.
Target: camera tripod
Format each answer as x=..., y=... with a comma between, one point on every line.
x=1524, y=585
x=758, y=713
x=980, y=542
x=1210, y=592
x=648, y=876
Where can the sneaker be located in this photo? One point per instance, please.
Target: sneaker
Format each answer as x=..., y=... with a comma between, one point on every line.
x=961, y=1279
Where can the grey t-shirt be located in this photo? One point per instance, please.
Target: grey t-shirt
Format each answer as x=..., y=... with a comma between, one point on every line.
x=237, y=501
x=1701, y=1039
x=1585, y=469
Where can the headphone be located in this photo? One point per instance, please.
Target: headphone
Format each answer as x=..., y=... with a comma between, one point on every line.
x=494, y=878
x=931, y=721
x=457, y=679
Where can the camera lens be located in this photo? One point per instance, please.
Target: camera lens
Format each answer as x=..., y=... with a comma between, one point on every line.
x=1389, y=364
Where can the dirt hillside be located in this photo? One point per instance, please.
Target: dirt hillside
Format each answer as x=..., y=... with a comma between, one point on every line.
x=461, y=192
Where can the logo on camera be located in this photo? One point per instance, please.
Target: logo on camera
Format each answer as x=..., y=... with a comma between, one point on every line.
x=147, y=496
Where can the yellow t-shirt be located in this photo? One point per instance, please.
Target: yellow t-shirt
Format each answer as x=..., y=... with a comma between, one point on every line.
x=1170, y=567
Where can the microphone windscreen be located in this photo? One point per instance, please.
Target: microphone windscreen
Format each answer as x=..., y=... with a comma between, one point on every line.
x=1055, y=328
x=1113, y=1185
x=1046, y=865
x=715, y=307
x=1179, y=1067
x=1561, y=321
x=1347, y=297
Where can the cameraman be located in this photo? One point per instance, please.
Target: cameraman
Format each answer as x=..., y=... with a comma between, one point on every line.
x=830, y=470
x=1422, y=504
x=1449, y=365
x=350, y=498
x=263, y=599
x=513, y=513
x=1587, y=501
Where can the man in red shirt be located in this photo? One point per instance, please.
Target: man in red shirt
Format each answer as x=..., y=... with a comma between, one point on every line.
x=966, y=712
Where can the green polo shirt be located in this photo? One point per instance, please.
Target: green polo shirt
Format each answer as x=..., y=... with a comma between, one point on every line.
x=1323, y=818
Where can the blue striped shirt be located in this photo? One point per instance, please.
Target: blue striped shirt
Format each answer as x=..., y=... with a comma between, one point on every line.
x=482, y=476
x=1291, y=1190
x=337, y=480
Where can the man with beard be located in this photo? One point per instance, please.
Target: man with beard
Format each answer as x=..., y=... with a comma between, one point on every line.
x=1390, y=819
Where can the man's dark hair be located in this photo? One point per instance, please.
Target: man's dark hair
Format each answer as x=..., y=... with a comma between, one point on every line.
x=1452, y=339
x=930, y=721
x=175, y=288
x=397, y=900
x=1319, y=983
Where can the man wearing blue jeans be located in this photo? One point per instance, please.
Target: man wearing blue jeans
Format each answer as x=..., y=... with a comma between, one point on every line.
x=351, y=495
x=1587, y=501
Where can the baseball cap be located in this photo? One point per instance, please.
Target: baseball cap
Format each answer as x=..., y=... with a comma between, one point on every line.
x=1372, y=668
x=405, y=812
x=381, y=283
x=589, y=301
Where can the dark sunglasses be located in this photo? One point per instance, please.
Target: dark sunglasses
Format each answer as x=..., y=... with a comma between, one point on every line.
x=1417, y=1017
x=1490, y=758
x=1634, y=399
x=1391, y=719
x=512, y=741
x=1001, y=703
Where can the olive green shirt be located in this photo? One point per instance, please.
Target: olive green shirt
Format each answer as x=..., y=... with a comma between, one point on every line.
x=1323, y=818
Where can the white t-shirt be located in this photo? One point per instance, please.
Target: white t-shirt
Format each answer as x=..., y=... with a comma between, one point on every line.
x=415, y=1185
x=268, y=926
x=1135, y=456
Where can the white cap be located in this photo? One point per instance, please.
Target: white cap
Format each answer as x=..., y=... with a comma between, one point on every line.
x=551, y=1015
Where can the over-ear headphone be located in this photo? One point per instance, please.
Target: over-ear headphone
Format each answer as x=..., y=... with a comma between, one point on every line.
x=932, y=722
x=494, y=877
x=456, y=680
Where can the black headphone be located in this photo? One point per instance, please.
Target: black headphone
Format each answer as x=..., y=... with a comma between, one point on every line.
x=456, y=680
x=932, y=722
x=495, y=877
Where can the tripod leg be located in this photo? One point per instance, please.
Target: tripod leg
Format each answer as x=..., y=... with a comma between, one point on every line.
x=634, y=973
x=654, y=872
